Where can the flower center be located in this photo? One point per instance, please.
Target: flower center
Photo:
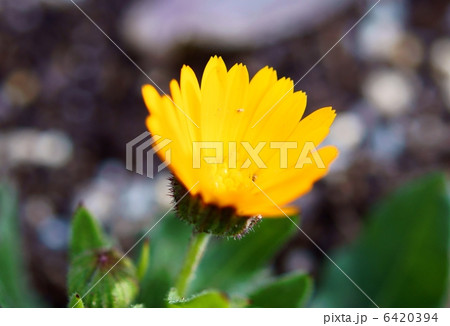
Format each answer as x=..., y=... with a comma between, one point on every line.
x=231, y=179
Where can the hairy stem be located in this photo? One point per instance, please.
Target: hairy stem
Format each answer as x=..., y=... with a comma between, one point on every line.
x=195, y=252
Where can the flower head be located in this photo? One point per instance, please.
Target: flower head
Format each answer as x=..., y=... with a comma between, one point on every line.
x=237, y=141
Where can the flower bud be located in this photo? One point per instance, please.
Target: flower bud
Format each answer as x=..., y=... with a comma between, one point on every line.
x=92, y=275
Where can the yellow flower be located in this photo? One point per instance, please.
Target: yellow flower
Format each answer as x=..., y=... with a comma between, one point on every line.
x=241, y=117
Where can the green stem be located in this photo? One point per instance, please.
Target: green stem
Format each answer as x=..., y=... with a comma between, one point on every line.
x=195, y=252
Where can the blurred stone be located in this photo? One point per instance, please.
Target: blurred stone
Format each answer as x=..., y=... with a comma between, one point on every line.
x=378, y=42
x=36, y=209
x=380, y=33
x=53, y=149
x=138, y=199
x=390, y=91
x=156, y=26
x=100, y=198
x=113, y=171
x=347, y=131
x=408, y=51
x=54, y=233
x=21, y=88
x=387, y=142
x=440, y=61
x=46, y=148
x=22, y=16
x=440, y=56
x=101, y=194
x=428, y=133
x=115, y=194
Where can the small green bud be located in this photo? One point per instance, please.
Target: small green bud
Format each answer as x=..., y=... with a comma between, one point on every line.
x=85, y=232
x=98, y=273
x=103, y=278
x=76, y=301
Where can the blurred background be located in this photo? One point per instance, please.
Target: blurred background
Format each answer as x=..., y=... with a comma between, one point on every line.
x=70, y=101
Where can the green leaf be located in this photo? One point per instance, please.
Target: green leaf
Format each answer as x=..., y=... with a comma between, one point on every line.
x=401, y=259
x=229, y=265
x=205, y=299
x=14, y=290
x=290, y=291
x=86, y=233
x=103, y=276
x=169, y=241
x=238, y=301
x=144, y=260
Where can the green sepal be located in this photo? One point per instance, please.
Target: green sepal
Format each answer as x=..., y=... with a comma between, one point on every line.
x=209, y=218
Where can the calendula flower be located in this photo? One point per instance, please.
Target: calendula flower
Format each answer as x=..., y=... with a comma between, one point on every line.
x=236, y=142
